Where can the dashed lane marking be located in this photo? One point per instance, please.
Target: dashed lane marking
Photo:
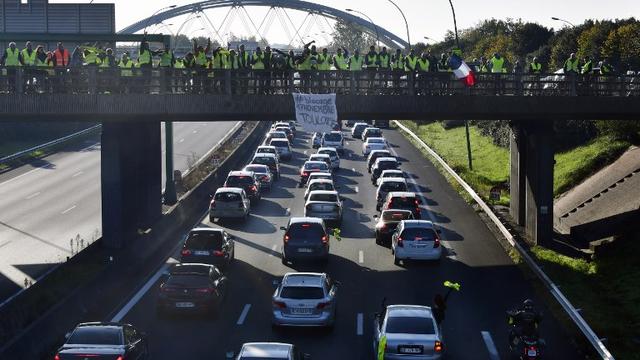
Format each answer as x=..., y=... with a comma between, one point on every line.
x=360, y=324
x=32, y=195
x=195, y=131
x=19, y=176
x=274, y=248
x=181, y=140
x=287, y=211
x=357, y=189
x=491, y=346
x=77, y=174
x=243, y=315
x=134, y=300
x=361, y=256
x=69, y=209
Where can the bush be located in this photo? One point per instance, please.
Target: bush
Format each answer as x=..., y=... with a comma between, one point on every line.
x=620, y=129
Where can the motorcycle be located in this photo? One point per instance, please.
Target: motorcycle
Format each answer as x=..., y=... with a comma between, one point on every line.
x=522, y=346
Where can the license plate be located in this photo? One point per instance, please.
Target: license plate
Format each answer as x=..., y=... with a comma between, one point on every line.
x=305, y=250
x=301, y=311
x=185, y=305
x=420, y=246
x=205, y=253
x=410, y=350
x=532, y=352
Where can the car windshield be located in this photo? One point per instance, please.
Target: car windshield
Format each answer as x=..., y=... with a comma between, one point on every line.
x=187, y=280
x=395, y=215
x=316, y=166
x=301, y=292
x=392, y=174
x=323, y=197
x=305, y=231
x=204, y=240
x=409, y=325
x=423, y=234
x=280, y=143
x=239, y=181
x=393, y=186
x=332, y=137
x=96, y=336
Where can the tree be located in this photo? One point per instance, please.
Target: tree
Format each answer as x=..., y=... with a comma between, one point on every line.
x=622, y=47
x=348, y=35
x=591, y=40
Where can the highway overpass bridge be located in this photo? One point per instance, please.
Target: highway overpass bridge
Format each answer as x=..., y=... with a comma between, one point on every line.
x=131, y=151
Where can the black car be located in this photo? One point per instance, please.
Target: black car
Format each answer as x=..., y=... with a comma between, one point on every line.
x=271, y=160
x=305, y=238
x=381, y=124
x=374, y=155
x=383, y=163
x=208, y=246
x=192, y=288
x=388, y=222
x=245, y=180
x=103, y=340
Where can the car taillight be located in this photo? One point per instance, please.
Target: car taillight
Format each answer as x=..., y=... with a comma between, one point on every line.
x=254, y=188
x=186, y=252
x=322, y=305
x=438, y=346
x=218, y=253
x=57, y=357
x=286, y=238
x=280, y=304
x=205, y=290
x=120, y=357
x=265, y=177
x=416, y=202
x=213, y=204
x=325, y=239
x=436, y=242
x=400, y=242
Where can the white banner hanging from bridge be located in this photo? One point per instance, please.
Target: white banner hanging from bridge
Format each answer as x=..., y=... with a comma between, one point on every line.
x=316, y=112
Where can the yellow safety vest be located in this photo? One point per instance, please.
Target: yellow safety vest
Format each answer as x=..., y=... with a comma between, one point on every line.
x=355, y=64
x=384, y=61
x=106, y=62
x=179, y=64
x=497, y=65
x=144, y=57
x=340, y=62
x=411, y=63
x=91, y=58
x=305, y=64
x=536, y=68
x=398, y=63
x=259, y=64
x=323, y=62
x=423, y=65
x=165, y=59
x=382, y=346
x=13, y=58
x=41, y=63
x=372, y=61
x=28, y=59
x=218, y=61
x=232, y=62
x=201, y=59
x=126, y=68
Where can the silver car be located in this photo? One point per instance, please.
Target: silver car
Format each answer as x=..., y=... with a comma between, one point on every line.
x=266, y=149
x=316, y=140
x=386, y=186
x=322, y=157
x=320, y=175
x=415, y=240
x=263, y=174
x=410, y=331
x=318, y=184
x=304, y=299
x=270, y=351
x=333, y=154
x=229, y=202
x=325, y=205
x=389, y=174
x=333, y=139
x=283, y=147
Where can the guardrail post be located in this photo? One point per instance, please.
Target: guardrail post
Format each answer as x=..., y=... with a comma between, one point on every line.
x=163, y=80
x=93, y=85
x=227, y=82
x=291, y=78
x=573, y=78
x=19, y=81
x=411, y=83
x=352, y=82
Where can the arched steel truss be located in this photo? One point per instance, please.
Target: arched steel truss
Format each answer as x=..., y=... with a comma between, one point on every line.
x=386, y=37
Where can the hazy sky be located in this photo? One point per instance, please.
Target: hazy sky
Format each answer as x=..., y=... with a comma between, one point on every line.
x=431, y=18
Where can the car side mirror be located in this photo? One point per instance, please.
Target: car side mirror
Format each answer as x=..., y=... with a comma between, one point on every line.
x=232, y=237
x=210, y=196
x=342, y=198
x=283, y=228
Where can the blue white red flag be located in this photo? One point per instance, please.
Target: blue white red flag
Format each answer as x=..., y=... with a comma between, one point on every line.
x=461, y=70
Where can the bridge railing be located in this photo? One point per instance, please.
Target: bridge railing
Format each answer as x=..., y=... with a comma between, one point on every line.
x=96, y=80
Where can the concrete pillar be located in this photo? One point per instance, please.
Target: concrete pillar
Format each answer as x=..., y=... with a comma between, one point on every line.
x=131, y=179
x=517, y=183
x=539, y=182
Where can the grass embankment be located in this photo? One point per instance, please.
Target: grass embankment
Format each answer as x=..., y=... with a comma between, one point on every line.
x=608, y=288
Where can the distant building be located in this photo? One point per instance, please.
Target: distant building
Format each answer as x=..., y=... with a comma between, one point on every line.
x=38, y=16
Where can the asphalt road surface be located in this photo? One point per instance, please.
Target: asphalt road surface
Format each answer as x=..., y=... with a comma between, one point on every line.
x=52, y=200
x=475, y=319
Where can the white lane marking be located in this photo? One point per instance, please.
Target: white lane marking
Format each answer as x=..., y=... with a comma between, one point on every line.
x=360, y=324
x=347, y=143
x=353, y=169
x=195, y=131
x=88, y=147
x=18, y=177
x=491, y=347
x=143, y=290
x=32, y=195
x=360, y=256
x=243, y=315
x=273, y=249
x=77, y=174
x=357, y=189
x=305, y=152
x=181, y=140
x=69, y=209
x=287, y=211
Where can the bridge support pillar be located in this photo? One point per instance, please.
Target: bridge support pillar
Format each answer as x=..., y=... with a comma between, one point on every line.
x=517, y=180
x=131, y=179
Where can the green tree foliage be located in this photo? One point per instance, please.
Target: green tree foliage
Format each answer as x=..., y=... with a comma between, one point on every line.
x=348, y=35
x=620, y=130
x=622, y=47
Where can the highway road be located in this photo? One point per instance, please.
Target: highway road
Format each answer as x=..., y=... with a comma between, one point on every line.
x=475, y=321
x=48, y=202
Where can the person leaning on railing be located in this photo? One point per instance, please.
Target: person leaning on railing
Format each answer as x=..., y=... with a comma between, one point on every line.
x=384, y=66
x=126, y=73
x=397, y=68
x=371, y=62
x=12, y=60
x=355, y=67
x=323, y=60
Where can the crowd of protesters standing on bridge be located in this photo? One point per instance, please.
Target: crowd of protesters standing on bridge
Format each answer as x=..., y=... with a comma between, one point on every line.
x=59, y=70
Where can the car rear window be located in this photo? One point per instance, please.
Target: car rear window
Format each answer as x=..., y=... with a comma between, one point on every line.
x=376, y=155
x=267, y=150
x=409, y=325
x=332, y=137
x=419, y=234
x=305, y=230
x=403, y=202
x=323, y=197
x=328, y=152
x=395, y=215
x=373, y=132
x=96, y=335
x=301, y=292
x=321, y=186
x=327, y=177
x=393, y=186
x=239, y=181
x=375, y=141
x=316, y=166
x=263, y=160
x=204, y=240
x=227, y=197
x=187, y=280
x=256, y=169
x=279, y=143
x=387, y=164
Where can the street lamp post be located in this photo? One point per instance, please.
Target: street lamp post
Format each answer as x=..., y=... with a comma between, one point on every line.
x=563, y=20
x=371, y=21
x=406, y=24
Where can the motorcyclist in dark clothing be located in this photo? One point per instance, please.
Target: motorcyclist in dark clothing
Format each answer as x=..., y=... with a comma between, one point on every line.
x=524, y=322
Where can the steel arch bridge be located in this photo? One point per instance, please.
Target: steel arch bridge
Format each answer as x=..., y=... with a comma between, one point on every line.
x=386, y=37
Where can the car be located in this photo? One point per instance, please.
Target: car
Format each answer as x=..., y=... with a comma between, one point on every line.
x=324, y=204
x=386, y=186
x=320, y=175
x=104, y=340
x=274, y=135
x=287, y=130
x=310, y=167
x=358, y=129
x=318, y=184
x=383, y=163
x=403, y=200
x=374, y=155
x=229, y=202
x=266, y=149
x=333, y=153
x=271, y=160
x=270, y=351
x=283, y=147
x=351, y=123
x=416, y=240
x=316, y=140
x=410, y=331
x=391, y=174
x=381, y=124
x=322, y=157
x=245, y=180
x=374, y=143
x=208, y=246
x=371, y=132
x=263, y=174
x=388, y=222
x=305, y=238
x=192, y=288
x=305, y=299
x=333, y=139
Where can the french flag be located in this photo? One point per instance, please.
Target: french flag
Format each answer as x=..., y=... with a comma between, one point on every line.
x=462, y=70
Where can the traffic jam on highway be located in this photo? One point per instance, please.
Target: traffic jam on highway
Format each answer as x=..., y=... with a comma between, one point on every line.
x=249, y=245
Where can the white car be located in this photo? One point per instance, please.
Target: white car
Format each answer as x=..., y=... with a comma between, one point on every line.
x=333, y=139
x=275, y=135
x=271, y=351
x=415, y=240
x=386, y=174
x=333, y=154
x=267, y=149
x=320, y=175
x=319, y=184
x=321, y=157
x=374, y=143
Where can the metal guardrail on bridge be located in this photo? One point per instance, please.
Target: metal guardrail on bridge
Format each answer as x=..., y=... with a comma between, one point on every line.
x=95, y=80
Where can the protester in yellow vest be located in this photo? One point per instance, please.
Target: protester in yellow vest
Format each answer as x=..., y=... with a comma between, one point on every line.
x=571, y=65
x=324, y=60
x=356, y=61
x=12, y=56
x=384, y=59
x=200, y=54
x=410, y=61
x=397, y=61
x=340, y=59
x=28, y=55
x=535, y=67
x=497, y=64
x=126, y=65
